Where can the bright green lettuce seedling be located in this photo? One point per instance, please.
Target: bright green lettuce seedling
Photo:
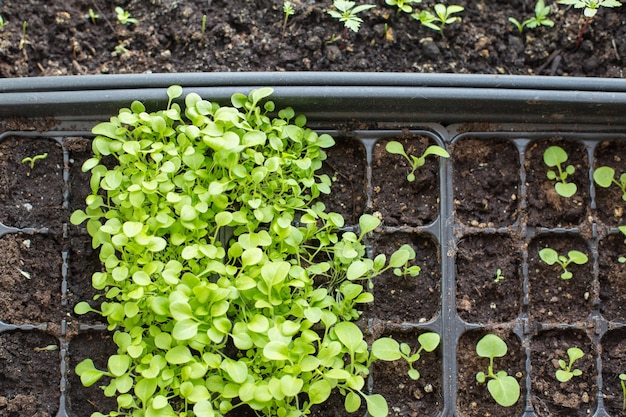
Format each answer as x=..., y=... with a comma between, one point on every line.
x=539, y=19
x=123, y=16
x=605, y=176
x=396, y=148
x=551, y=257
x=502, y=387
x=347, y=13
x=31, y=160
x=390, y=350
x=499, y=276
x=403, y=5
x=442, y=16
x=553, y=157
x=566, y=372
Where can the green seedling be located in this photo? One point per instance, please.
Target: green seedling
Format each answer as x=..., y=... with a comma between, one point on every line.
x=403, y=5
x=416, y=162
x=3, y=23
x=225, y=280
x=23, y=39
x=93, y=16
x=551, y=257
x=605, y=176
x=553, y=157
x=499, y=276
x=622, y=378
x=539, y=19
x=346, y=11
x=390, y=350
x=591, y=8
x=48, y=348
x=31, y=160
x=502, y=387
x=124, y=17
x=440, y=18
x=566, y=372
x=288, y=10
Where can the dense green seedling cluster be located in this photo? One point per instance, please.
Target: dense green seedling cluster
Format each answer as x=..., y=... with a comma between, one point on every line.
x=226, y=283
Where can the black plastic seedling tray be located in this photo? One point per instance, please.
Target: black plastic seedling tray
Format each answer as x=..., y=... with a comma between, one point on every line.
x=525, y=114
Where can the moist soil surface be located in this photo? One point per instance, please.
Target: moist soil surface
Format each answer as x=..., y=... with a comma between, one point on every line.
x=59, y=38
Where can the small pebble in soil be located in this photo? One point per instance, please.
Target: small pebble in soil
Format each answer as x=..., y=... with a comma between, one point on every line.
x=428, y=388
x=26, y=243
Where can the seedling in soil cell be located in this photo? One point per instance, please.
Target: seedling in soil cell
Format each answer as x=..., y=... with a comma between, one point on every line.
x=31, y=160
x=540, y=19
x=442, y=16
x=591, y=9
x=48, y=348
x=502, y=387
x=388, y=349
x=605, y=176
x=396, y=148
x=403, y=5
x=289, y=10
x=553, y=157
x=347, y=14
x=566, y=372
x=23, y=40
x=93, y=16
x=123, y=16
x=551, y=257
x=3, y=23
x=622, y=259
x=499, y=276
x=622, y=378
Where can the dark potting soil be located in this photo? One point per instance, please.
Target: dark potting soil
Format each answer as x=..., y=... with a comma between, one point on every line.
x=486, y=186
x=614, y=364
x=30, y=374
x=610, y=204
x=59, y=38
x=612, y=277
x=474, y=400
x=576, y=397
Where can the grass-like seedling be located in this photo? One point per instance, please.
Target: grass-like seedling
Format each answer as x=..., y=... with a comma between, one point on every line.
x=390, y=350
x=502, y=387
x=203, y=323
x=539, y=19
x=622, y=378
x=346, y=11
x=396, y=148
x=124, y=17
x=441, y=17
x=551, y=257
x=23, y=38
x=288, y=10
x=567, y=370
x=554, y=157
x=605, y=177
x=403, y=5
x=590, y=10
x=30, y=160
x=3, y=23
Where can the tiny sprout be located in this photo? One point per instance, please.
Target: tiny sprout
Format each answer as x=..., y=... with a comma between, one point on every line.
x=499, y=276
x=553, y=157
x=403, y=5
x=23, y=40
x=289, y=10
x=540, y=19
x=93, y=16
x=203, y=27
x=347, y=13
x=442, y=16
x=605, y=176
x=123, y=16
x=551, y=257
x=622, y=378
x=622, y=259
x=119, y=50
x=502, y=387
x=396, y=148
x=3, y=23
x=46, y=348
x=566, y=372
x=31, y=160
x=24, y=273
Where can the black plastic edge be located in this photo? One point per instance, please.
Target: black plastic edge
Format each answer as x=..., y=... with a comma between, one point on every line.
x=336, y=97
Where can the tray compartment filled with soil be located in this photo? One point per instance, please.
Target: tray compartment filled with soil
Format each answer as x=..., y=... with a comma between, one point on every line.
x=476, y=220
